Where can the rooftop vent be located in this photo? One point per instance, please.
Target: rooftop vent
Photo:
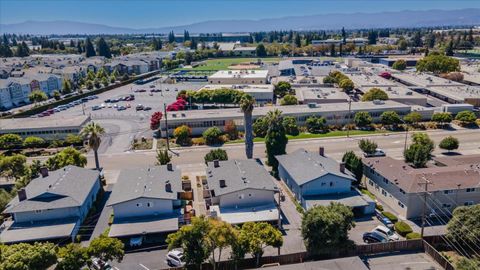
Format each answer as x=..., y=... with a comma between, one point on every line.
x=170, y=166
x=22, y=195
x=44, y=171
x=216, y=163
x=222, y=183
x=168, y=186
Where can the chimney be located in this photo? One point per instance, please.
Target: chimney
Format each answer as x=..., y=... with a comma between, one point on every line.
x=342, y=167
x=222, y=183
x=44, y=171
x=168, y=186
x=321, y=151
x=169, y=166
x=22, y=195
x=216, y=163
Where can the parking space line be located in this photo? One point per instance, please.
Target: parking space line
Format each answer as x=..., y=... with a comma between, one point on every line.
x=144, y=267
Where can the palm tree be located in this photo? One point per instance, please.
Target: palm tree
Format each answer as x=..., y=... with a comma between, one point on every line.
x=246, y=103
x=92, y=132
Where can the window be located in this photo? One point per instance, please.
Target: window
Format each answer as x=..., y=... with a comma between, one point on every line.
x=139, y=204
x=446, y=205
x=401, y=204
x=385, y=180
x=447, y=192
x=470, y=189
x=384, y=193
x=38, y=211
x=469, y=203
x=241, y=196
x=402, y=191
x=150, y=204
x=331, y=184
x=370, y=182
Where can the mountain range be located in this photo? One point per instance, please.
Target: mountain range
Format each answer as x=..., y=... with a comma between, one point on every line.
x=406, y=18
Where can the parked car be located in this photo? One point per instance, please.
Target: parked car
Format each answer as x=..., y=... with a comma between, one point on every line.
x=96, y=108
x=107, y=100
x=373, y=237
x=147, y=108
x=386, y=232
x=99, y=264
x=378, y=153
x=139, y=107
x=386, y=221
x=175, y=258
x=121, y=108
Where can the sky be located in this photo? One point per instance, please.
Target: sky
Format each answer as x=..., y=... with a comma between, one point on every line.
x=159, y=13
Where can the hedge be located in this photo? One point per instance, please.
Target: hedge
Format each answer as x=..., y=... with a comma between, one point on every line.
x=379, y=207
x=403, y=228
x=390, y=216
x=413, y=235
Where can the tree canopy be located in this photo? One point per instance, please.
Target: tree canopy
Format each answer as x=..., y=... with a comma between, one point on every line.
x=276, y=139
x=466, y=117
x=419, y=152
x=367, y=146
x=182, y=135
x=464, y=226
x=23, y=256
x=362, y=119
x=216, y=154
x=212, y=135
x=375, y=94
x=289, y=100
x=316, y=124
x=438, y=63
x=449, y=143
x=68, y=156
x=399, y=64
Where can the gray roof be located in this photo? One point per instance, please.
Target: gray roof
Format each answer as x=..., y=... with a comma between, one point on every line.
x=304, y=166
x=352, y=199
x=285, y=64
x=38, y=231
x=146, y=183
x=238, y=175
x=66, y=187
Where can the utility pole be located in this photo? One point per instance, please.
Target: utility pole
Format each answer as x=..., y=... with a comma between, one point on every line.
x=166, y=125
x=425, y=194
x=349, y=116
x=406, y=137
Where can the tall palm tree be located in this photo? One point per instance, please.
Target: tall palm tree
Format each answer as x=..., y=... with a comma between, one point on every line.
x=246, y=104
x=93, y=132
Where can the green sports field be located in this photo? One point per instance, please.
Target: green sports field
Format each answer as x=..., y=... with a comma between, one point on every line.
x=224, y=63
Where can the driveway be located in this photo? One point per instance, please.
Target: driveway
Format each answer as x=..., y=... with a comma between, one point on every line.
x=363, y=225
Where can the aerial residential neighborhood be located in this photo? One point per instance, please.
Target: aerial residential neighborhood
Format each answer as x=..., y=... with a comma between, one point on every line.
x=148, y=135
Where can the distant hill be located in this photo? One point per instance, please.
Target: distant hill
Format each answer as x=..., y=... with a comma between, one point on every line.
x=315, y=22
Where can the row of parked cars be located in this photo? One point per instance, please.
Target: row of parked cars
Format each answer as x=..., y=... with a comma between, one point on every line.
x=65, y=106
x=380, y=234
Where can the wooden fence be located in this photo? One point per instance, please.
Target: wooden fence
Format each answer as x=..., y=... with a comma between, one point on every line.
x=418, y=245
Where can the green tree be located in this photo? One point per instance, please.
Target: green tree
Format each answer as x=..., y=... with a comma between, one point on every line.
x=276, y=139
x=163, y=157
x=464, y=227
x=290, y=125
x=73, y=139
x=390, y=118
x=413, y=118
x=89, y=49
x=367, y=146
x=10, y=141
x=449, y=143
x=220, y=236
x=442, y=118
x=289, y=100
x=362, y=119
x=66, y=86
x=216, y=154
x=56, y=95
x=72, y=257
x=261, y=51
x=283, y=88
x=23, y=256
x=182, y=135
x=258, y=236
x=106, y=248
x=449, y=49
x=353, y=164
x=325, y=228
x=419, y=152
x=212, y=135
x=399, y=64
x=375, y=94
x=33, y=142
x=14, y=166
x=103, y=49
x=467, y=264
x=347, y=85
x=68, y=156
x=193, y=240
x=92, y=132
x=37, y=96
x=260, y=127
x=438, y=63
x=466, y=117
x=5, y=198
x=246, y=104
x=316, y=124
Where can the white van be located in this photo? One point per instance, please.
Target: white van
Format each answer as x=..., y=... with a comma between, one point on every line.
x=391, y=235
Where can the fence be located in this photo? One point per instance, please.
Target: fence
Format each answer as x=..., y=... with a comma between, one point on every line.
x=359, y=250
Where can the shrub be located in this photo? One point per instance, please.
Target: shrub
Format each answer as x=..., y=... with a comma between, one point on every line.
x=214, y=154
x=367, y=146
x=379, y=207
x=212, y=135
x=375, y=94
x=346, y=84
x=449, y=143
x=316, y=124
x=466, y=117
x=289, y=100
x=182, y=135
x=400, y=64
x=362, y=119
x=260, y=127
x=231, y=130
x=198, y=141
x=390, y=216
x=10, y=141
x=402, y=228
x=33, y=142
x=290, y=125
x=413, y=235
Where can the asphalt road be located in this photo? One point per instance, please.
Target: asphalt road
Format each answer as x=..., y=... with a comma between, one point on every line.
x=393, y=144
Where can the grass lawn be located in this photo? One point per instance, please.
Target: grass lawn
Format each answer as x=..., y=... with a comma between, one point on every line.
x=336, y=133
x=224, y=63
